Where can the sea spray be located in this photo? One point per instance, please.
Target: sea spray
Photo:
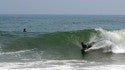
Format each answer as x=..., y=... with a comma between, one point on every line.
x=110, y=41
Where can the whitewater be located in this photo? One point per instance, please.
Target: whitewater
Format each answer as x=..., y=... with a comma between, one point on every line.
x=110, y=41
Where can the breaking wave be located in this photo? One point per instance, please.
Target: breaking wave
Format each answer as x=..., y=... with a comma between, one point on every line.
x=109, y=41
x=62, y=45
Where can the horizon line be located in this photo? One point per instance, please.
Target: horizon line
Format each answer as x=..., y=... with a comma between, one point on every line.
x=56, y=14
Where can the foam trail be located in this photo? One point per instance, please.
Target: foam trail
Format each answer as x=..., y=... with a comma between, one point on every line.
x=110, y=41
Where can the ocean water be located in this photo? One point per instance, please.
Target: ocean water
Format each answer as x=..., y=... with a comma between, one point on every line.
x=52, y=42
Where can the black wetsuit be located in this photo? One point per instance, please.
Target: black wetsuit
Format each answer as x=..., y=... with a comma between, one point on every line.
x=24, y=30
x=84, y=47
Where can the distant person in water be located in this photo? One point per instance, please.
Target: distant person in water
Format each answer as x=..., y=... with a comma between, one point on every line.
x=24, y=30
x=86, y=46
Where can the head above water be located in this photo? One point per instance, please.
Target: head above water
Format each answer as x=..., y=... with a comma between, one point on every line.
x=24, y=30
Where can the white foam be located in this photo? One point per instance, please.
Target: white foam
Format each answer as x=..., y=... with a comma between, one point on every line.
x=105, y=67
x=40, y=65
x=110, y=41
x=59, y=65
x=17, y=52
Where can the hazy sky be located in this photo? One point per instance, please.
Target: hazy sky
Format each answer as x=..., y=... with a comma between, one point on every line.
x=101, y=7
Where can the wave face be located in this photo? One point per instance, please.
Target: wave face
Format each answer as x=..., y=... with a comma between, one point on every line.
x=62, y=45
x=27, y=41
x=52, y=45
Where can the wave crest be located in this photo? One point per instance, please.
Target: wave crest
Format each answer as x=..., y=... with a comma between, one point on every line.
x=109, y=41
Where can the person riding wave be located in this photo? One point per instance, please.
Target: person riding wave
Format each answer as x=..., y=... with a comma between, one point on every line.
x=86, y=46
